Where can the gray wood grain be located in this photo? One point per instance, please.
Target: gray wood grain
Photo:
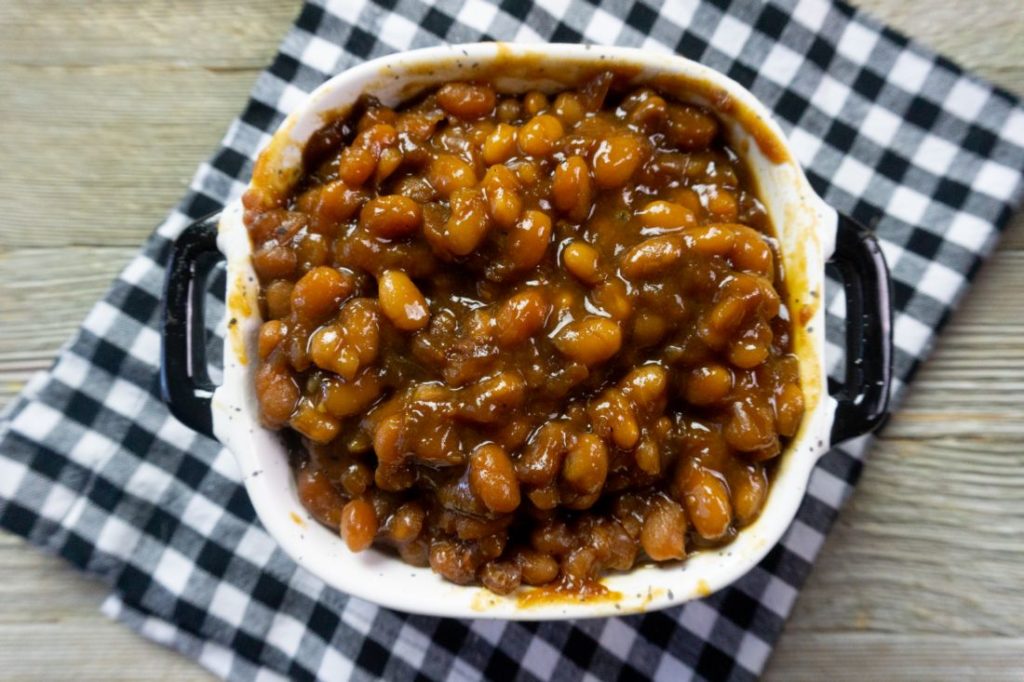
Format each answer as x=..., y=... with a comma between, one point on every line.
x=107, y=109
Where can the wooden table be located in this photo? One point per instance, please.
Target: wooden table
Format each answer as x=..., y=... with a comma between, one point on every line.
x=105, y=112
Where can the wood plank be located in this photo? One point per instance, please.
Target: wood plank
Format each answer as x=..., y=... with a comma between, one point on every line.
x=858, y=656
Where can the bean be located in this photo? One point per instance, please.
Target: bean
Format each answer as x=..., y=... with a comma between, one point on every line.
x=467, y=101
x=535, y=102
x=722, y=204
x=277, y=394
x=467, y=225
x=319, y=496
x=708, y=384
x=500, y=144
x=344, y=399
x=648, y=328
x=271, y=335
x=329, y=350
x=448, y=173
x=503, y=200
x=709, y=240
x=690, y=128
x=707, y=504
x=406, y=523
x=315, y=425
x=491, y=400
x=651, y=257
x=581, y=260
x=568, y=107
x=645, y=386
x=401, y=302
x=358, y=524
x=751, y=348
x=536, y=568
x=493, y=478
x=751, y=252
x=666, y=215
x=520, y=317
x=612, y=417
x=337, y=202
x=320, y=291
x=453, y=560
x=356, y=165
x=529, y=239
x=611, y=296
x=750, y=427
x=356, y=479
x=749, y=487
x=278, y=298
x=500, y=577
x=586, y=464
x=789, y=409
x=272, y=261
x=664, y=531
x=615, y=161
x=391, y=216
x=591, y=340
x=571, y=190
x=540, y=135
x=312, y=251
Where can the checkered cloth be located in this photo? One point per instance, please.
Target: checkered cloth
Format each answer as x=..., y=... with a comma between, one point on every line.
x=93, y=467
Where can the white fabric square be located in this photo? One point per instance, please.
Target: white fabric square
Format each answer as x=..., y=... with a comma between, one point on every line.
x=11, y=476
x=255, y=546
x=603, y=27
x=334, y=666
x=830, y=96
x=778, y=596
x=146, y=346
x=397, y=31
x=852, y=176
x=811, y=13
x=291, y=98
x=346, y=10
x=803, y=540
x=477, y=14
x=857, y=42
x=730, y=36
x=781, y=65
x=935, y=155
x=1013, y=129
x=540, y=658
x=880, y=125
x=229, y=603
x=969, y=231
x=139, y=268
x=827, y=488
x=490, y=629
x=966, y=99
x=671, y=668
x=910, y=71
x=698, y=618
x=753, y=652
x=320, y=54
x=36, y=421
x=908, y=205
x=117, y=538
x=71, y=370
x=805, y=145
x=940, y=282
x=92, y=450
x=57, y=502
x=201, y=514
x=173, y=571
x=148, y=482
x=101, y=318
x=679, y=12
x=411, y=646
x=910, y=334
x=617, y=638
x=995, y=180
x=286, y=633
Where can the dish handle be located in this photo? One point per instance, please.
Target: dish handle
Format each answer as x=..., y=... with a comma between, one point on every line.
x=185, y=384
x=863, y=394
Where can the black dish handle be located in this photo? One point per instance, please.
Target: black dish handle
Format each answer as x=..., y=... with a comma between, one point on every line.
x=863, y=395
x=185, y=384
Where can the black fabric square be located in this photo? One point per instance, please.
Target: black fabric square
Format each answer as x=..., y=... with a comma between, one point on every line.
x=924, y=244
x=360, y=43
x=201, y=205
x=579, y=647
x=259, y=115
x=791, y=106
x=821, y=53
x=372, y=658
x=841, y=136
x=922, y=113
x=18, y=519
x=901, y=292
x=500, y=666
x=323, y=622
x=133, y=584
x=105, y=495
x=868, y=84
x=630, y=674
x=83, y=409
x=299, y=673
x=893, y=166
x=162, y=525
x=229, y=162
x=979, y=141
x=657, y=628
x=451, y=634
x=247, y=646
x=188, y=616
x=239, y=505
x=516, y=8
x=49, y=463
x=641, y=17
x=191, y=471
x=309, y=18
x=76, y=550
x=284, y=67
x=952, y=193
x=739, y=608
x=714, y=664
x=437, y=22
x=269, y=590
x=138, y=440
x=742, y=74
x=565, y=34
x=772, y=21
x=691, y=47
x=213, y=558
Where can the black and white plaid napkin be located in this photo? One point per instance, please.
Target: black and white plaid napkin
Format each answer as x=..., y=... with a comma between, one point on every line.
x=93, y=468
